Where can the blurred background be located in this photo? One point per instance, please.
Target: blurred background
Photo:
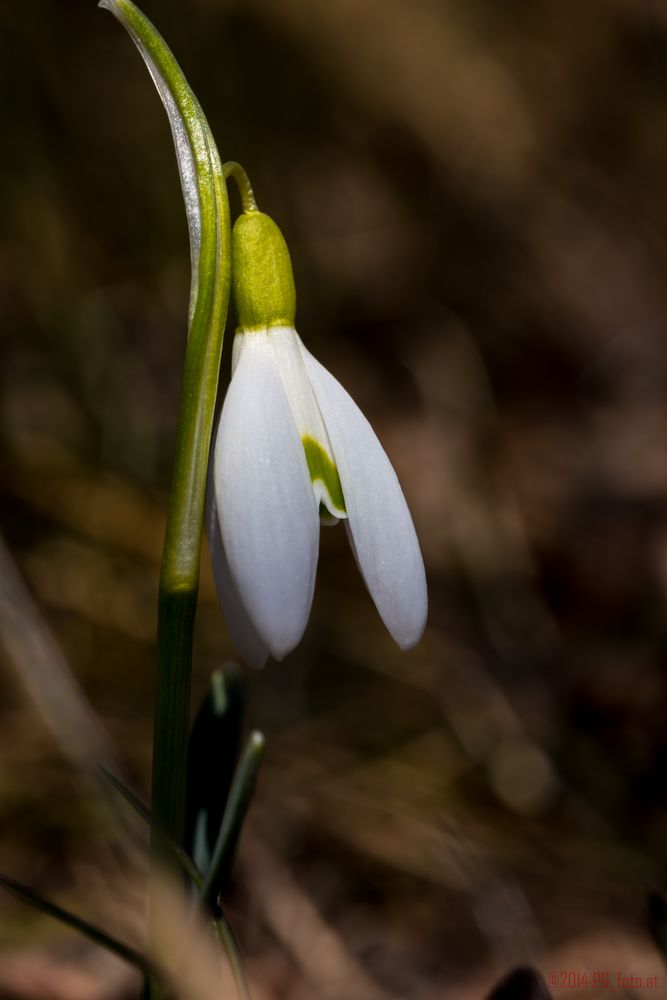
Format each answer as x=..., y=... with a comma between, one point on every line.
x=473, y=194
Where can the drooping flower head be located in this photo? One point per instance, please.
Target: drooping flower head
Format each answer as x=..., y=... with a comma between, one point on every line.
x=293, y=450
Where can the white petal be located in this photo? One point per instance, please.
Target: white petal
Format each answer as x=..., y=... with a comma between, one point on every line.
x=268, y=512
x=381, y=529
x=243, y=633
x=289, y=354
x=237, y=346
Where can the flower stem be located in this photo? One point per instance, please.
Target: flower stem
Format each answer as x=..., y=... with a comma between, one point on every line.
x=233, y=169
x=207, y=208
x=179, y=575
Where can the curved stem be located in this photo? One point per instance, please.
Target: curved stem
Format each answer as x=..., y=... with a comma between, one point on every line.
x=233, y=169
x=207, y=208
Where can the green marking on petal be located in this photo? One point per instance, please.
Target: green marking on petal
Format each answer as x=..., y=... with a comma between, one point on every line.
x=323, y=470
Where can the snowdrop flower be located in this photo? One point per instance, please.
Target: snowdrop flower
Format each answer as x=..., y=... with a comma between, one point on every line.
x=293, y=450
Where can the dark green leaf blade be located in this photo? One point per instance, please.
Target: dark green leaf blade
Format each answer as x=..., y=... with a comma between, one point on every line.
x=238, y=802
x=213, y=752
x=96, y=934
x=179, y=855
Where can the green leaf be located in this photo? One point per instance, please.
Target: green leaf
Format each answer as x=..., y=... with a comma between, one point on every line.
x=180, y=856
x=96, y=934
x=222, y=925
x=193, y=142
x=240, y=795
x=214, y=747
x=230, y=944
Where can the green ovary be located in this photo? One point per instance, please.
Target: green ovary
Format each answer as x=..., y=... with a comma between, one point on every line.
x=322, y=469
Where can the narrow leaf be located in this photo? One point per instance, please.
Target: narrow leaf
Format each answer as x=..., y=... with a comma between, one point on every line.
x=192, y=137
x=215, y=739
x=230, y=944
x=180, y=856
x=240, y=795
x=96, y=934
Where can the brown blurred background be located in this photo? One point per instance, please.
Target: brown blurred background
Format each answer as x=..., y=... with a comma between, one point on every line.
x=473, y=194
